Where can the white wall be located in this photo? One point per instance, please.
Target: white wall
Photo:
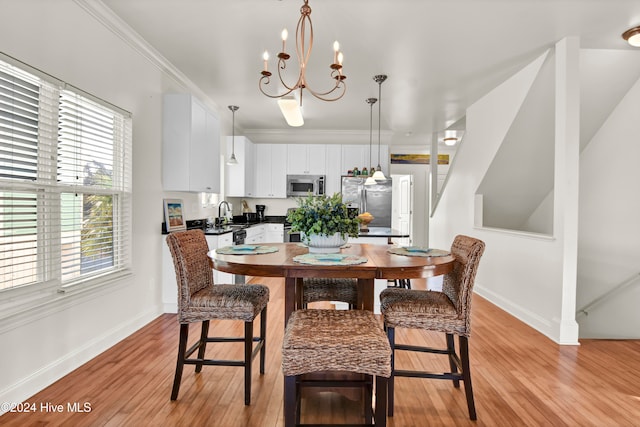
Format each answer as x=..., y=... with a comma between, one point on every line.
x=609, y=247
x=520, y=272
x=62, y=39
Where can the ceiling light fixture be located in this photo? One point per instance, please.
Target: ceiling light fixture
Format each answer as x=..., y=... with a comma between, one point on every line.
x=379, y=78
x=304, y=44
x=370, y=180
x=450, y=141
x=232, y=159
x=291, y=111
x=632, y=36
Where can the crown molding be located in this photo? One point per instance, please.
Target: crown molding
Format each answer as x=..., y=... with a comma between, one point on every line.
x=108, y=18
x=314, y=136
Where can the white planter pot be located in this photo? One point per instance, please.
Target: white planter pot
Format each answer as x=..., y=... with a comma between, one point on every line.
x=325, y=244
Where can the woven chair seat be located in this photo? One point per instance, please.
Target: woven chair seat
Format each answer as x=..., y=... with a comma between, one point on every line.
x=335, y=340
x=236, y=302
x=327, y=289
x=406, y=308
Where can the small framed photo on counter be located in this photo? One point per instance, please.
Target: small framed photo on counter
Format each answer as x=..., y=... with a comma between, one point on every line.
x=174, y=215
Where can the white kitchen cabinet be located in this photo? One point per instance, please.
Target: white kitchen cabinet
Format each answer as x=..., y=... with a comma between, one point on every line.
x=190, y=145
x=271, y=175
x=215, y=242
x=333, y=182
x=255, y=234
x=306, y=159
x=240, y=178
x=357, y=155
x=274, y=233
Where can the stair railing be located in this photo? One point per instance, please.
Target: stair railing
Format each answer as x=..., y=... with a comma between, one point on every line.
x=584, y=311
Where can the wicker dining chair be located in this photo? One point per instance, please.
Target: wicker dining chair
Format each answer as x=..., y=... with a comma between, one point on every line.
x=200, y=300
x=448, y=311
x=315, y=289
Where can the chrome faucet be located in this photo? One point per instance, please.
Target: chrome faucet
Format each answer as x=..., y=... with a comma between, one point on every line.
x=227, y=209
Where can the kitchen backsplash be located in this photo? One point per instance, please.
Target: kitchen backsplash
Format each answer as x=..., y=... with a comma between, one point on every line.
x=274, y=206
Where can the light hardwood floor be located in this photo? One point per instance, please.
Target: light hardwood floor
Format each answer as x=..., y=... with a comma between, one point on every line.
x=520, y=378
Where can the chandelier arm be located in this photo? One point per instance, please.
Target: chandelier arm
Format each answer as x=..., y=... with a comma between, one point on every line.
x=289, y=88
x=260, y=84
x=322, y=95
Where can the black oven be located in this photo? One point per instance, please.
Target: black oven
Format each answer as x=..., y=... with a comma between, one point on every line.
x=288, y=235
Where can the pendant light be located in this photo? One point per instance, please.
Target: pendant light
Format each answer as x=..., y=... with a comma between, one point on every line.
x=379, y=78
x=232, y=159
x=370, y=180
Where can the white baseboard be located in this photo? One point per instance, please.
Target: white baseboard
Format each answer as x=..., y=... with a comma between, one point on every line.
x=170, y=307
x=22, y=390
x=549, y=328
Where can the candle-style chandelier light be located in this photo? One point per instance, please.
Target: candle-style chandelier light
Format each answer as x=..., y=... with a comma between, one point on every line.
x=304, y=44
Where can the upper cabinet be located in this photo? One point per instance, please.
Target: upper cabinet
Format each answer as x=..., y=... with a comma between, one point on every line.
x=358, y=156
x=240, y=178
x=333, y=182
x=190, y=145
x=271, y=173
x=306, y=159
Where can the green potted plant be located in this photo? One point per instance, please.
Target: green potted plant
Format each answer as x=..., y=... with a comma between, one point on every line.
x=323, y=222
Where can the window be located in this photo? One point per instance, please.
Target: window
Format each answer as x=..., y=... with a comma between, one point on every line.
x=65, y=188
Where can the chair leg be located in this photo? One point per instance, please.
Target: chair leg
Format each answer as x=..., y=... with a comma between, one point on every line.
x=182, y=348
x=263, y=337
x=390, y=381
x=203, y=343
x=290, y=401
x=382, y=384
x=451, y=350
x=368, y=400
x=466, y=376
x=248, y=350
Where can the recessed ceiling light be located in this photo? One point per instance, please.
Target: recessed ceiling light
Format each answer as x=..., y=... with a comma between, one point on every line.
x=450, y=141
x=632, y=36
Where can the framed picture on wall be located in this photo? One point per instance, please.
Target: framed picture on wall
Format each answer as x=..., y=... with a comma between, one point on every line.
x=174, y=215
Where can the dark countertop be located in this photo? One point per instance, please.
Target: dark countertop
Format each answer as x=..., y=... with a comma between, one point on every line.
x=382, y=232
x=201, y=224
x=385, y=232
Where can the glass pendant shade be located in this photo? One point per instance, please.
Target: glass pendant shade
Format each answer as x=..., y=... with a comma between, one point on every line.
x=232, y=160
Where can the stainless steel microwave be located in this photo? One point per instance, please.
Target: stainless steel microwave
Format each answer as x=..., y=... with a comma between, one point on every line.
x=302, y=185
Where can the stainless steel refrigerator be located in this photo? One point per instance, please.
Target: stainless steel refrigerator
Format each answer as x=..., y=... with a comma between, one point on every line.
x=375, y=199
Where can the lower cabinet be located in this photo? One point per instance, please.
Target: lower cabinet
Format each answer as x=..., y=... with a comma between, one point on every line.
x=274, y=233
x=255, y=234
x=215, y=242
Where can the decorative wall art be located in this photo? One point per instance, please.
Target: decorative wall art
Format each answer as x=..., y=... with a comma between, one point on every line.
x=418, y=159
x=174, y=215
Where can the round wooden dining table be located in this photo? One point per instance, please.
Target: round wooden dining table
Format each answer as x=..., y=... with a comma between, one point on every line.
x=379, y=264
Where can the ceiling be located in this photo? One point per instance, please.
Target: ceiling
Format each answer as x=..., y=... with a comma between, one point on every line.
x=440, y=55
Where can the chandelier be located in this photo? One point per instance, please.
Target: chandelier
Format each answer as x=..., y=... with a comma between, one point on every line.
x=304, y=44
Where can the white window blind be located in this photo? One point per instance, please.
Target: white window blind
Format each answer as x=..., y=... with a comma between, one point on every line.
x=65, y=184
